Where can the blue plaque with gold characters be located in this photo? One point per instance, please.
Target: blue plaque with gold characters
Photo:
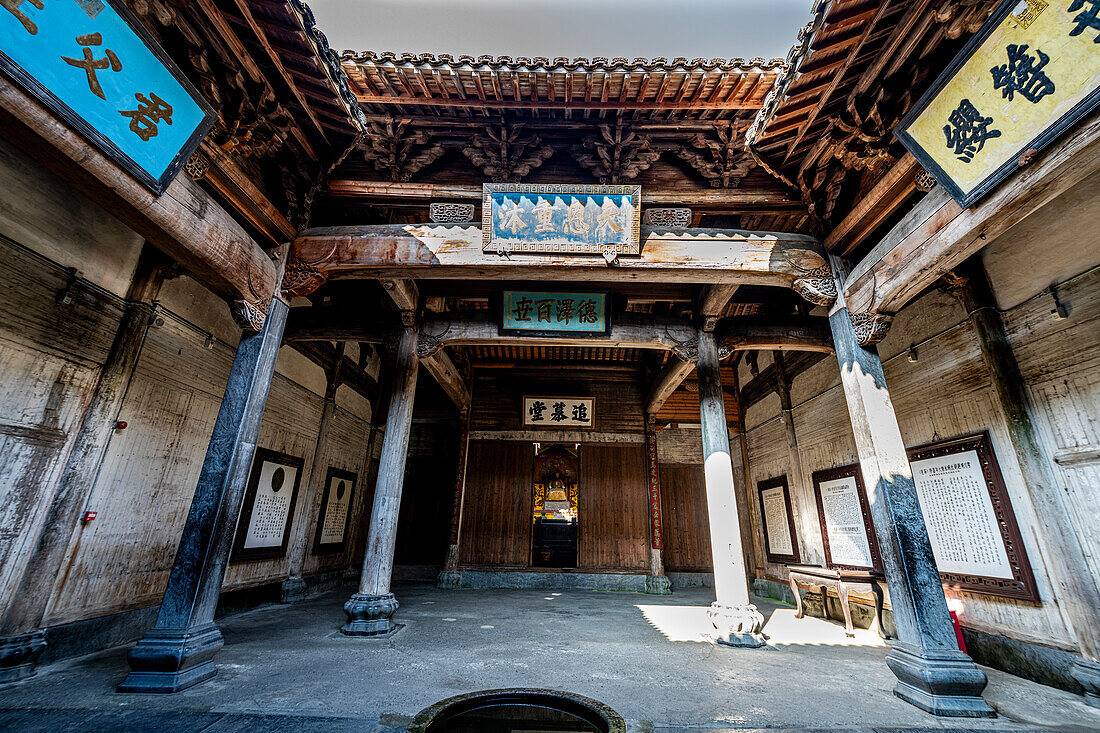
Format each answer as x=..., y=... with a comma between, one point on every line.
x=561, y=219
x=93, y=64
x=1025, y=78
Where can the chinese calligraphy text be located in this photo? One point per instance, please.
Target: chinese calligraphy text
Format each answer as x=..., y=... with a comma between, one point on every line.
x=552, y=313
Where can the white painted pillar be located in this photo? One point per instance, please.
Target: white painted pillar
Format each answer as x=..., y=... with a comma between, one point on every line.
x=737, y=621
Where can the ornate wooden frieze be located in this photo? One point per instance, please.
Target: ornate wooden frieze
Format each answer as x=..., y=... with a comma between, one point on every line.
x=397, y=151
x=505, y=154
x=249, y=316
x=617, y=154
x=817, y=286
x=449, y=213
x=667, y=217
x=721, y=158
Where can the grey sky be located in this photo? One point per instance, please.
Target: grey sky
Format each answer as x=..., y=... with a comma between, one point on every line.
x=630, y=28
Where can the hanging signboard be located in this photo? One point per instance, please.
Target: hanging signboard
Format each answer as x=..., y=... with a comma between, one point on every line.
x=332, y=523
x=1026, y=77
x=559, y=412
x=845, y=517
x=780, y=537
x=263, y=530
x=542, y=313
x=975, y=538
x=561, y=219
x=93, y=64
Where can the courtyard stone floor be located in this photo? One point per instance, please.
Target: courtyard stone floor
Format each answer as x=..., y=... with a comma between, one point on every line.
x=285, y=667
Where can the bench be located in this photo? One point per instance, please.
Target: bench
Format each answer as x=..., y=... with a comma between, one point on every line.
x=843, y=582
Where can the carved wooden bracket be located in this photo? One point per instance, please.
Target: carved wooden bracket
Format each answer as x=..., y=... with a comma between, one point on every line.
x=249, y=316
x=617, y=155
x=870, y=328
x=301, y=278
x=397, y=151
x=504, y=154
x=817, y=286
x=721, y=159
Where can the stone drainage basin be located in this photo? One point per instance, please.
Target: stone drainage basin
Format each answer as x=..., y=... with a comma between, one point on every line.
x=514, y=710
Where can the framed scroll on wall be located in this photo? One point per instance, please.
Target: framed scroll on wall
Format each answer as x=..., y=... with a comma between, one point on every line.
x=845, y=516
x=973, y=530
x=263, y=530
x=335, y=516
x=780, y=538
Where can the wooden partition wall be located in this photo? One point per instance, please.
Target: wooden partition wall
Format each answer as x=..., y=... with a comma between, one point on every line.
x=496, y=523
x=612, y=504
x=684, y=509
x=613, y=508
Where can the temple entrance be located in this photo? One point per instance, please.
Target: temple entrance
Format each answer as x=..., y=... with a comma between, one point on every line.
x=555, y=485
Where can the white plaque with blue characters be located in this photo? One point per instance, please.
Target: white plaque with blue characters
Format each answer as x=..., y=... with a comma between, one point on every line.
x=93, y=64
x=561, y=219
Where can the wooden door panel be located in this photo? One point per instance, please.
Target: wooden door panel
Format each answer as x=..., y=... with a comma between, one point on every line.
x=684, y=511
x=613, y=508
x=496, y=523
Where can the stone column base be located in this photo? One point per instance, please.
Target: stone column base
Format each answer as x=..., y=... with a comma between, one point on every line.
x=658, y=585
x=369, y=615
x=737, y=625
x=170, y=660
x=18, y=655
x=449, y=580
x=943, y=682
x=1088, y=675
x=293, y=590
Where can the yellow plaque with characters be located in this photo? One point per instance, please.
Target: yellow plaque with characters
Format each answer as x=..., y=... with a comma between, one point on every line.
x=1026, y=77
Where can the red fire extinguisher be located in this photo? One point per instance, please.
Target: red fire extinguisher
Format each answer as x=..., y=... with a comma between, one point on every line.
x=958, y=631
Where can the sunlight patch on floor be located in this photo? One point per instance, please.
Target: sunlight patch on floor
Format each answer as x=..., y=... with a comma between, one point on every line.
x=782, y=628
x=690, y=623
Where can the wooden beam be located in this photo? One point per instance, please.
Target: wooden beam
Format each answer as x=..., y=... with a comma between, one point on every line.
x=668, y=381
x=766, y=382
x=353, y=188
x=743, y=334
x=877, y=205
x=712, y=303
x=628, y=330
x=185, y=222
x=921, y=249
x=442, y=367
x=404, y=294
x=455, y=252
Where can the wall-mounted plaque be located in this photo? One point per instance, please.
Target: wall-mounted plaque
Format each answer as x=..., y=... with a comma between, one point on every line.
x=263, y=529
x=335, y=516
x=561, y=219
x=1029, y=74
x=554, y=313
x=973, y=530
x=780, y=537
x=94, y=65
x=559, y=412
x=845, y=517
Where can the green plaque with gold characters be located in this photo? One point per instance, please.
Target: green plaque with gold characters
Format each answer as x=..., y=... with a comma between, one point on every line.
x=1026, y=77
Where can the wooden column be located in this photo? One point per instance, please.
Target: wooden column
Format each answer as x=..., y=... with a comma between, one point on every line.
x=179, y=650
x=21, y=638
x=737, y=621
x=932, y=673
x=294, y=587
x=1078, y=595
x=370, y=611
x=656, y=582
x=451, y=577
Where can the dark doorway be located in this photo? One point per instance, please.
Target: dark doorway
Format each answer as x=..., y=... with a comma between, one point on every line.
x=554, y=537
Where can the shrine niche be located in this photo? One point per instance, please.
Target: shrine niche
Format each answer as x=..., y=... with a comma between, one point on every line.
x=263, y=530
x=554, y=537
x=971, y=525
